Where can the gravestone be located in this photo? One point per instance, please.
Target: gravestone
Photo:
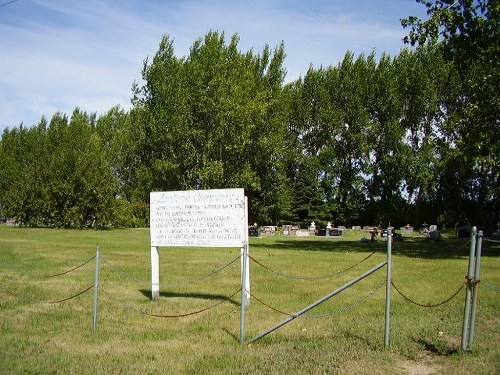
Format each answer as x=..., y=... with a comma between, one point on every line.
x=286, y=230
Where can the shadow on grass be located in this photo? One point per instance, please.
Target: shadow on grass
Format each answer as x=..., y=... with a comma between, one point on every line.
x=206, y=296
x=442, y=348
x=321, y=245
x=363, y=340
x=412, y=247
x=231, y=334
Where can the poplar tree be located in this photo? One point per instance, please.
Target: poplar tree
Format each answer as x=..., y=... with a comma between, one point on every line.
x=468, y=34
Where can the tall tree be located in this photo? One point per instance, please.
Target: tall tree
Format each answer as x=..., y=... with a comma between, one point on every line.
x=468, y=33
x=213, y=119
x=56, y=174
x=424, y=80
x=306, y=97
x=386, y=133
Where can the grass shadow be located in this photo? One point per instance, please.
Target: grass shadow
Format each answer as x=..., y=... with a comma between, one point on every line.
x=231, y=334
x=321, y=245
x=448, y=247
x=360, y=339
x=206, y=296
x=442, y=348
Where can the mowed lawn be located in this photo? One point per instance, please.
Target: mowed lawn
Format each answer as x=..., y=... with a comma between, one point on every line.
x=194, y=328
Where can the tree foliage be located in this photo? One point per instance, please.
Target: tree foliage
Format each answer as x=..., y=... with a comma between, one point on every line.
x=57, y=174
x=393, y=140
x=213, y=119
x=467, y=32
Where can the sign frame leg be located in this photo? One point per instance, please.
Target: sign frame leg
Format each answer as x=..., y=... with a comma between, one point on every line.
x=155, y=273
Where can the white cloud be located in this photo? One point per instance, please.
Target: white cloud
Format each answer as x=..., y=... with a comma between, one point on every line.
x=57, y=55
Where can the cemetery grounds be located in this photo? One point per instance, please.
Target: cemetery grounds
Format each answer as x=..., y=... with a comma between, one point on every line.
x=47, y=304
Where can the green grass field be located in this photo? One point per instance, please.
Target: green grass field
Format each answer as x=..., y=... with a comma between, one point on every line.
x=344, y=335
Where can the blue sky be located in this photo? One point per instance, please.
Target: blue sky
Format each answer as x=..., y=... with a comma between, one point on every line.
x=56, y=55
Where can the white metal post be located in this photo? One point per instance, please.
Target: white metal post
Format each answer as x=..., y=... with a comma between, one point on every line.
x=247, y=254
x=244, y=300
x=155, y=273
x=388, y=289
x=96, y=288
x=470, y=274
x=477, y=269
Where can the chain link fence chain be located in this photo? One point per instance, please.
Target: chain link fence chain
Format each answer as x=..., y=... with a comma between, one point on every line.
x=491, y=286
x=74, y=296
x=30, y=301
x=127, y=306
x=427, y=305
x=490, y=240
x=148, y=282
x=267, y=305
x=348, y=307
x=295, y=277
x=73, y=269
x=343, y=309
x=26, y=273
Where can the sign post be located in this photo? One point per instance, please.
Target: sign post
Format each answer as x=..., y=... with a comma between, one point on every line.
x=155, y=273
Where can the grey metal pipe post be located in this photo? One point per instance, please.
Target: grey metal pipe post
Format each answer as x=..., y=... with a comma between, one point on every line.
x=243, y=292
x=321, y=300
x=96, y=287
x=470, y=274
x=477, y=269
x=388, y=289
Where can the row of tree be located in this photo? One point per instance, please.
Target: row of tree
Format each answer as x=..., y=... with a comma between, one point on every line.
x=402, y=139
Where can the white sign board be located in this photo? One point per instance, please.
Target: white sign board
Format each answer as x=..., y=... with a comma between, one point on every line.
x=214, y=218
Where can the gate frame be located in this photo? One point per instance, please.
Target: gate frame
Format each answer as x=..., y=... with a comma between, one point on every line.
x=344, y=287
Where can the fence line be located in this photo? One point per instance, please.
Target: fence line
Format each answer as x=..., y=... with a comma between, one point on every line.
x=73, y=269
x=29, y=300
x=490, y=240
x=142, y=311
x=269, y=306
x=427, y=305
x=28, y=273
x=491, y=286
x=309, y=278
x=348, y=307
x=131, y=277
x=127, y=306
x=330, y=313
x=74, y=296
x=321, y=300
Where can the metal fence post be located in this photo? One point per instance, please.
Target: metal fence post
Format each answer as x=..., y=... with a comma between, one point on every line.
x=477, y=270
x=388, y=288
x=244, y=300
x=96, y=287
x=470, y=274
